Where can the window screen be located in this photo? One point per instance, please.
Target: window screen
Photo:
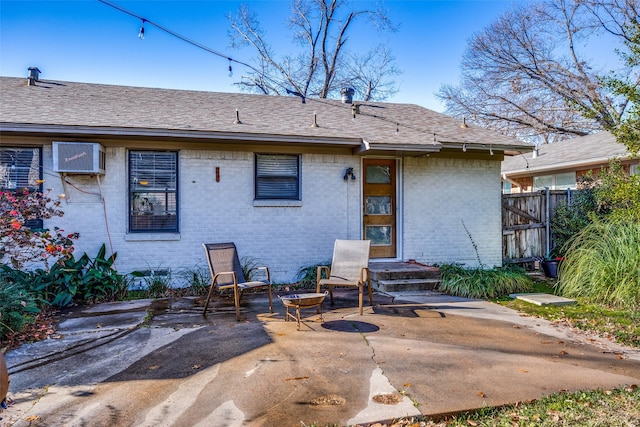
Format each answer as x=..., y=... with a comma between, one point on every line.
x=153, y=191
x=278, y=176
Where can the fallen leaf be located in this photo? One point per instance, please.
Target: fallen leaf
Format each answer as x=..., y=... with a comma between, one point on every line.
x=563, y=352
x=154, y=367
x=481, y=394
x=523, y=370
x=195, y=367
x=407, y=385
x=32, y=418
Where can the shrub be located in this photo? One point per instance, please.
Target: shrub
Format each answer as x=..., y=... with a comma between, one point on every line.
x=602, y=264
x=484, y=283
x=618, y=194
x=82, y=280
x=21, y=241
x=17, y=307
x=571, y=218
x=306, y=276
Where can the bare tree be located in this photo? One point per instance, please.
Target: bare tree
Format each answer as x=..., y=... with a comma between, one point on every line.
x=530, y=73
x=322, y=65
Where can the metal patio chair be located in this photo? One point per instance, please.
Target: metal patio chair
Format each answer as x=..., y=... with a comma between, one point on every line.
x=349, y=268
x=226, y=273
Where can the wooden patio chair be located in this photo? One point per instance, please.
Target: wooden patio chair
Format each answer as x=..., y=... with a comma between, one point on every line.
x=226, y=273
x=349, y=268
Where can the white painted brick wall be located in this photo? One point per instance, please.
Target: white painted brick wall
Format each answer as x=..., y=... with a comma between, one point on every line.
x=438, y=195
x=283, y=238
x=441, y=197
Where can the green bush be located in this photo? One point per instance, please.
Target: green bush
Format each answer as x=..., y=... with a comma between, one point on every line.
x=306, y=276
x=17, y=307
x=571, y=218
x=618, y=194
x=602, y=264
x=70, y=280
x=484, y=283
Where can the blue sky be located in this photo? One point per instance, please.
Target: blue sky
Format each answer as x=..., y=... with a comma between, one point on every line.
x=87, y=41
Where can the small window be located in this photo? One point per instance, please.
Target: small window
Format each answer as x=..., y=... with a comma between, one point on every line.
x=565, y=180
x=153, y=191
x=542, y=182
x=277, y=176
x=634, y=170
x=506, y=187
x=561, y=181
x=20, y=168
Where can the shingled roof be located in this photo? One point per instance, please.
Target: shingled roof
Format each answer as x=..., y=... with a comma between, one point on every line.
x=581, y=152
x=72, y=109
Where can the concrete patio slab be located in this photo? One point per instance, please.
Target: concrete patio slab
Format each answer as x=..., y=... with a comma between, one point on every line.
x=543, y=299
x=409, y=354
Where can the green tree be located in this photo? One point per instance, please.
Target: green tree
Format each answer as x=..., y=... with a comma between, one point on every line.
x=618, y=193
x=627, y=131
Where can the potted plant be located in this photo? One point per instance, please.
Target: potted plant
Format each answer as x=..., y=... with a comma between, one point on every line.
x=550, y=265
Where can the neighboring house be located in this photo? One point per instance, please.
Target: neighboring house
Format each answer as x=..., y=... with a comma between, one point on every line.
x=560, y=165
x=154, y=173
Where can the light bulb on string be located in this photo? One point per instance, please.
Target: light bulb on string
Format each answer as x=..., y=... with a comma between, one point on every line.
x=141, y=33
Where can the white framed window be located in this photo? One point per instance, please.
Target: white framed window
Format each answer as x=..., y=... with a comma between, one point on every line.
x=560, y=181
x=153, y=191
x=506, y=187
x=634, y=169
x=277, y=176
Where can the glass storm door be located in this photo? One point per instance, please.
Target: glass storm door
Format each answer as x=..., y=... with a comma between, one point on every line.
x=379, y=210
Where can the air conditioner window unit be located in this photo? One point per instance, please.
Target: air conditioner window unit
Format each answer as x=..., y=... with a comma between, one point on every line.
x=78, y=157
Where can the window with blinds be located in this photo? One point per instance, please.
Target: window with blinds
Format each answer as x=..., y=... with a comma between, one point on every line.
x=277, y=176
x=20, y=168
x=153, y=191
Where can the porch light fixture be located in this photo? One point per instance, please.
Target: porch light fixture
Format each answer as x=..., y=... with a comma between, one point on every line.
x=464, y=148
x=491, y=150
x=349, y=173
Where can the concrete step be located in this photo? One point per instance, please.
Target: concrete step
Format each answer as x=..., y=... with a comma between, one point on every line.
x=400, y=285
x=402, y=271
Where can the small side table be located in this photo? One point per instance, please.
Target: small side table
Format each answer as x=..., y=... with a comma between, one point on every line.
x=300, y=301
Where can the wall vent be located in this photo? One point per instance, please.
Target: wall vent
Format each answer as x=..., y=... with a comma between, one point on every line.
x=78, y=157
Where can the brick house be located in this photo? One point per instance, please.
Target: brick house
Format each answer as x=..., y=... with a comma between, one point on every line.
x=560, y=165
x=154, y=173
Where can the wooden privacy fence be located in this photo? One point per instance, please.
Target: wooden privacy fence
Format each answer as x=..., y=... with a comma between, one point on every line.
x=526, y=224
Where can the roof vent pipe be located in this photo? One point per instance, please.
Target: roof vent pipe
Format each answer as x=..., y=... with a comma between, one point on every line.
x=347, y=95
x=34, y=75
x=534, y=154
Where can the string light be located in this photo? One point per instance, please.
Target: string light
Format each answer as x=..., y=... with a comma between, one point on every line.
x=141, y=33
x=275, y=81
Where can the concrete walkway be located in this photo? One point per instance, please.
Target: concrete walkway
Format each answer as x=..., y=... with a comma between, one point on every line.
x=411, y=354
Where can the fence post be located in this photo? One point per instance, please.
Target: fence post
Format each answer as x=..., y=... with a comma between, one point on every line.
x=547, y=220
